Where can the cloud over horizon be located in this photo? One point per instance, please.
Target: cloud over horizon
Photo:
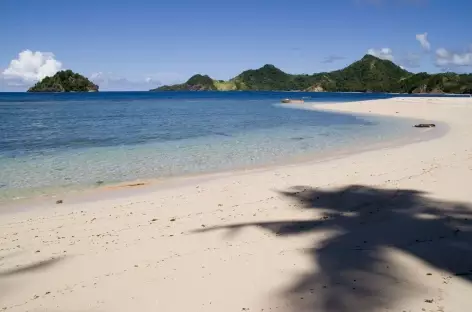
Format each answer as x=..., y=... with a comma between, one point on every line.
x=383, y=53
x=411, y=60
x=446, y=58
x=31, y=67
x=108, y=81
x=111, y=82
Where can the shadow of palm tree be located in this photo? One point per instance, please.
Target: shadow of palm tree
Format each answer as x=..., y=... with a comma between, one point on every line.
x=30, y=268
x=18, y=270
x=354, y=272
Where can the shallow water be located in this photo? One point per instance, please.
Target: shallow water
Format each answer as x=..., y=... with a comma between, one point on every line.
x=51, y=143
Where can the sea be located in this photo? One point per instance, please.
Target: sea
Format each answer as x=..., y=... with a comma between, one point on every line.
x=65, y=142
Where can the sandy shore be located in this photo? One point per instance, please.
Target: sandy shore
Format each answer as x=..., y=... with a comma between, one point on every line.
x=389, y=229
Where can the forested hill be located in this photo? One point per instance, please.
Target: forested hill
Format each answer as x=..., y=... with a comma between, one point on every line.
x=369, y=74
x=64, y=81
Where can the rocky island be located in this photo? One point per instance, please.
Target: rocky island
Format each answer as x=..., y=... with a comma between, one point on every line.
x=64, y=81
x=370, y=74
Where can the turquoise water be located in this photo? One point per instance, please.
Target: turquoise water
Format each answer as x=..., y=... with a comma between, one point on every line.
x=51, y=143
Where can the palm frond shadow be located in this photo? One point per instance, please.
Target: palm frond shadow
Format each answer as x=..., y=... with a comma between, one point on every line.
x=353, y=270
x=8, y=276
x=30, y=268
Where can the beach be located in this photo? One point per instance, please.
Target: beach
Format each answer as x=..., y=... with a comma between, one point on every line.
x=388, y=229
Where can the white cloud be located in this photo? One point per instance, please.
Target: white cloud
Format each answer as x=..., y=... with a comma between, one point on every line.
x=411, y=60
x=108, y=81
x=97, y=76
x=423, y=40
x=32, y=66
x=15, y=83
x=445, y=58
x=111, y=82
x=165, y=78
x=384, y=53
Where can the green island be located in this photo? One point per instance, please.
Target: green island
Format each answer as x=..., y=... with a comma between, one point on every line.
x=370, y=74
x=64, y=81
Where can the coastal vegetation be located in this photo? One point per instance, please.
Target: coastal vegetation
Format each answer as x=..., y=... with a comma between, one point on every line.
x=195, y=83
x=370, y=74
x=64, y=81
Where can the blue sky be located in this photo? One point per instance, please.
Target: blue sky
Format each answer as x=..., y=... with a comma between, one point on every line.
x=142, y=43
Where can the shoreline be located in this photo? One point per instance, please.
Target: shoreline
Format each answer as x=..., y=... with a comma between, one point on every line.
x=385, y=229
x=138, y=186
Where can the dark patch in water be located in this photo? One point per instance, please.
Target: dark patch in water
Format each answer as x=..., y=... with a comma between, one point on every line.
x=298, y=138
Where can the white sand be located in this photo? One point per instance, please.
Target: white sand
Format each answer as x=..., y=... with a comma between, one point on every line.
x=399, y=240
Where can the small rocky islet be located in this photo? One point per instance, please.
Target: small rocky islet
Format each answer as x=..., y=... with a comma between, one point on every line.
x=64, y=81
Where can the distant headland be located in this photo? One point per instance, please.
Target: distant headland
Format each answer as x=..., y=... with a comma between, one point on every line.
x=370, y=74
x=64, y=81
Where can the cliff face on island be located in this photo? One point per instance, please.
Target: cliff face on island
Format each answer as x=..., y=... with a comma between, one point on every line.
x=64, y=81
x=370, y=74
